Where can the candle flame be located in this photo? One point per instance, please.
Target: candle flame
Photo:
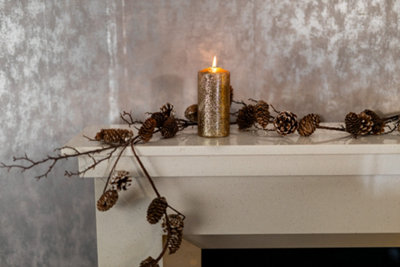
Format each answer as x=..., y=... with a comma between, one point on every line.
x=214, y=65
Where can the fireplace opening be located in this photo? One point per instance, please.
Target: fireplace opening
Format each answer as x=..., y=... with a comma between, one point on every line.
x=301, y=257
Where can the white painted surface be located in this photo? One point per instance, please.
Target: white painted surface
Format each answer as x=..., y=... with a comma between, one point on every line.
x=257, y=190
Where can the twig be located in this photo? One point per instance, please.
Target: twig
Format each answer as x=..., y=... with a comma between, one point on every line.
x=145, y=171
x=95, y=163
x=274, y=109
x=52, y=159
x=239, y=102
x=342, y=129
x=113, y=167
x=128, y=118
x=172, y=208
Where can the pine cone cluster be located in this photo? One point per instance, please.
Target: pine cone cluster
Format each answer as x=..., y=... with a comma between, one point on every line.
x=176, y=231
x=191, y=113
x=107, y=200
x=308, y=124
x=246, y=117
x=165, y=112
x=116, y=136
x=156, y=210
x=149, y=262
x=364, y=123
x=286, y=123
x=121, y=181
x=262, y=113
x=163, y=120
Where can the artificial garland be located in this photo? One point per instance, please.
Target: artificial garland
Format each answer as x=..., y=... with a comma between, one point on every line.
x=255, y=115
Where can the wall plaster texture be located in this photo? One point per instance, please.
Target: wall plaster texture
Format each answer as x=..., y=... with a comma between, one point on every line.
x=68, y=64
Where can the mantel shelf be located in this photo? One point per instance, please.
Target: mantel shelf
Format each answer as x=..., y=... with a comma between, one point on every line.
x=255, y=153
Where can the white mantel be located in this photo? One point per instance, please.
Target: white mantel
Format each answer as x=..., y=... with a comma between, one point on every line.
x=253, y=189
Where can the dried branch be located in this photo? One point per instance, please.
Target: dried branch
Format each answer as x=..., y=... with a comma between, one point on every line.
x=51, y=159
x=145, y=171
x=128, y=118
x=92, y=166
x=114, y=166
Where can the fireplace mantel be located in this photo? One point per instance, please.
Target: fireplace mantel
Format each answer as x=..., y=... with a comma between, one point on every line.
x=253, y=189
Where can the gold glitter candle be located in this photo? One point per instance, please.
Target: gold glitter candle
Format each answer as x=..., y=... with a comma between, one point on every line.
x=213, y=101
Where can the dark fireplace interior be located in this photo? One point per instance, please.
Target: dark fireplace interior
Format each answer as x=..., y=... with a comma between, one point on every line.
x=301, y=257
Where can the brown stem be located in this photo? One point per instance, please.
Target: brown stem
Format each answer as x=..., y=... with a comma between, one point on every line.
x=113, y=167
x=145, y=171
x=172, y=208
x=391, y=118
x=332, y=128
x=277, y=111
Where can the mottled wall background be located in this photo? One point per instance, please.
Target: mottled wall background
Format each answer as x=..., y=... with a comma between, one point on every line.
x=67, y=64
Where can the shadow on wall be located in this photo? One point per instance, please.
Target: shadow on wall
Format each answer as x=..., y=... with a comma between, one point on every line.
x=166, y=87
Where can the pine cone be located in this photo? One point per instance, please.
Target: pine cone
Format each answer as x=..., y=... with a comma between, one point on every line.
x=286, y=123
x=159, y=117
x=246, y=117
x=379, y=124
x=107, y=200
x=262, y=113
x=175, y=242
x=191, y=113
x=176, y=231
x=175, y=222
x=169, y=128
x=308, y=124
x=147, y=129
x=156, y=210
x=366, y=123
x=353, y=123
x=167, y=109
x=149, y=262
x=121, y=181
x=119, y=136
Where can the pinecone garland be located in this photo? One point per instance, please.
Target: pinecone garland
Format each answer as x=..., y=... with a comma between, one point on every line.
x=149, y=262
x=262, y=113
x=107, y=200
x=353, y=123
x=169, y=128
x=118, y=136
x=308, y=124
x=378, y=124
x=191, y=113
x=366, y=123
x=147, y=129
x=246, y=117
x=286, y=123
x=156, y=210
x=121, y=181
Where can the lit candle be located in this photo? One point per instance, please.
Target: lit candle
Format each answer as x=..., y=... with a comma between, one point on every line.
x=213, y=101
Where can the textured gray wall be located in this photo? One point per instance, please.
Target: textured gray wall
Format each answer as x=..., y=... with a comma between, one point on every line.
x=68, y=64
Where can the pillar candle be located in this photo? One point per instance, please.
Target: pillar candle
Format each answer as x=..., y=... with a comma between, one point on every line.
x=213, y=101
